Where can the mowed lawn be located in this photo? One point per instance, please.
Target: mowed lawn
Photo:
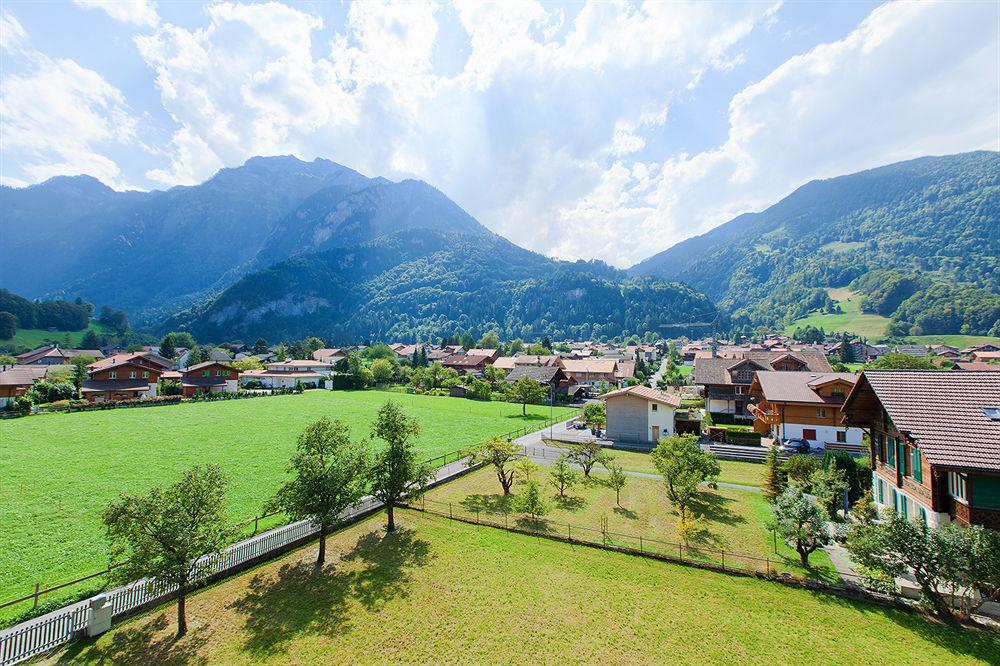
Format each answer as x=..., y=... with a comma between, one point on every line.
x=445, y=591
x=61, y=470
x=735, y=520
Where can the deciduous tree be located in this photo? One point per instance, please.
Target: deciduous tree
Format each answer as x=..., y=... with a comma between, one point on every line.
x=586, y=454
x=684, y=467
x=526, y=390
x=167, y=532
x=499, y=452
x=395, y=474
x=800, y=521
x=531, y=501
x=328, y=477
x=616, y=479
x=563, y=475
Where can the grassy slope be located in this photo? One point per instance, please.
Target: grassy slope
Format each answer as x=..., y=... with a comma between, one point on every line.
x=443, y=591
x=735, y=518
x=873, y=326
x=60, y=470
x=36, y=337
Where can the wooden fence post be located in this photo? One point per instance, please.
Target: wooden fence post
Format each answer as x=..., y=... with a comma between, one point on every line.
x=640, y=543
x=37, y=586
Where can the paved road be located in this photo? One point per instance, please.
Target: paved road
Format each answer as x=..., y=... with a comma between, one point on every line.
x=658, y=375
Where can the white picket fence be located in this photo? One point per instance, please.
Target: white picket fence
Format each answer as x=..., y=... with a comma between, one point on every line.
x=35, y=636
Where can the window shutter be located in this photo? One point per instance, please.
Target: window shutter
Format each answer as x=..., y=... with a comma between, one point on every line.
x=892, y=452
x=918, y=472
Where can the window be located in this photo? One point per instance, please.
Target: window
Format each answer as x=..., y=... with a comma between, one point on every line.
x=837, y=392
x=206, y=373
x=903, y=507
x=895, y=500
x=923, y=515
x=881, y=492
x=654, y=406
x=891, y=448
x=145, y=374
x=901, y=457
x=821, y=412
x=809, y=433
x=113, y=375
x=915, y=470
x=992, y=413
x=131, y=375
x=956, y=485
x=842, y=436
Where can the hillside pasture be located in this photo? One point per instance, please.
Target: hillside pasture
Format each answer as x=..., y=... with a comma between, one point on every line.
x=851, y=320
x=61, y=470
x=30, y=338
x=445, y=591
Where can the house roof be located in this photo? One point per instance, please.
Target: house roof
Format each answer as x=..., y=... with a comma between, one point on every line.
x=942, y=410
x=481, y=352
x=800, y=386
x=277, y=373
x=976, y=365
x=912, y=350
x=326, y=353
x=207, y=364
x=465, y=360
x=298, y=363
x=716, y=370
x=505, y=363
x=987, y=355
x=646, y=393
x=53, y=350
x=22, y=375
x=540, y=373
x=625, y=369
x=152, y=361
x=594, y=365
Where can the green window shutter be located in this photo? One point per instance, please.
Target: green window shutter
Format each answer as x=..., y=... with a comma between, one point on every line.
x=923, y=515
x=901, y=457
x=918, y=472
x=206, y=373
x=892, y=452
x=895, y=500
x=902, y=506
x=881, y=492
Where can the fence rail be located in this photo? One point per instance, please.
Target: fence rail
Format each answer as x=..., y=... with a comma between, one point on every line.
x=699, y=555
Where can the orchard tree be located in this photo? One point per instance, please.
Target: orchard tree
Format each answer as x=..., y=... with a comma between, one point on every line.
x=616, y=479
x=531, y=501
x=328, y=477
x=525, y=468
x=395, y=473
x=526, y=390
x=828, y=485
x=563, y=475
x=166, y=533
x=586, y=455
x=684, y=467
x=502, y=454
x=800, y=522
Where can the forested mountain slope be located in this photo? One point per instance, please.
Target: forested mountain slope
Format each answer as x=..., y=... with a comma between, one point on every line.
x=934, y=221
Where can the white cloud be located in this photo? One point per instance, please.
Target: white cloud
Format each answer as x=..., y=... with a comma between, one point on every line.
x=137, y=12
x=869, y=99
x=58, y=118
x=13, y=38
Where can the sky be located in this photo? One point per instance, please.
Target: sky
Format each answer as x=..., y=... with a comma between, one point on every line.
x=608, y=130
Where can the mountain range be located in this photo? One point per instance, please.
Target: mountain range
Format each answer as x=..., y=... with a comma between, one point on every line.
x=283, y=248
x=925, y=230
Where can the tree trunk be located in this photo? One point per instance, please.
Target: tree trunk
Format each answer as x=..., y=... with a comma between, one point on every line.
x=322, y=546
x=804, y=556
x=524, y=409
x=391, y=526
x=182, y=625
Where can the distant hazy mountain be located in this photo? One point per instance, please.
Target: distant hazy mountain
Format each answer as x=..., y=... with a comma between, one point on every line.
x=933, y=219
x=284, y=248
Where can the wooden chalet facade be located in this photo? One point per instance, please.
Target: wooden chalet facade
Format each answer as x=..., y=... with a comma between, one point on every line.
x=127, y=376
x=209, y=377
x=935, y=437
x=804, y=405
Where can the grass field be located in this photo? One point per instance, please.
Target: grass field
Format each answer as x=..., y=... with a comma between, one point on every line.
x=735, y=518
x=30, y=338
x=743, y=473
x=960, y=341
x=444, y=591
x=61, y=470
x=852, y=320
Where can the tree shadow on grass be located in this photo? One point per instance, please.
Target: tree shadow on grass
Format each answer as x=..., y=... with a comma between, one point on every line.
x=488, y=503
x=143, y=642
x=569, y=502
x=304, y=599
x=528, y=417
x=715, y=508
x=980, y=644
x=539, y=525
x=626, y=513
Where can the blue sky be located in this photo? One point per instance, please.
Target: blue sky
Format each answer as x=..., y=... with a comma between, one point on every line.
x=582, y=130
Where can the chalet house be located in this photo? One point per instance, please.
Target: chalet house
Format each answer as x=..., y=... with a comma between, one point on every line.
x=53, y=355
x=935, y=442
x=508, y=363
x=490, y=354
x=945, y=351
x=216, y=355
x=209, y=377
x=804, y=405
x=330, y=356
x=405, y=352
x=986, y=356
x=441, y=353
x=976, y=365
x=591, y=372
x=727, y=381
x=123, y=377
x=289, y=373
x=640, y=414
x=969, y=351
x=862, y=351
x=552, y=376
x=16, y=380
x=466, y=364
x=625, y=370
x=648, y=353
x=918, y=351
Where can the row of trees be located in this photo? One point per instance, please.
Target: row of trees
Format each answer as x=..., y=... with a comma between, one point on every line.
x=168, y=532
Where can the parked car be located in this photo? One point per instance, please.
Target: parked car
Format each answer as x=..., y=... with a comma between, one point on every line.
x=794, y=446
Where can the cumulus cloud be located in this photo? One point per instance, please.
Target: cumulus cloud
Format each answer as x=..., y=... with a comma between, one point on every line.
x=137, y=12
x=13, y=38
x=58, y=118
x=860, y=102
